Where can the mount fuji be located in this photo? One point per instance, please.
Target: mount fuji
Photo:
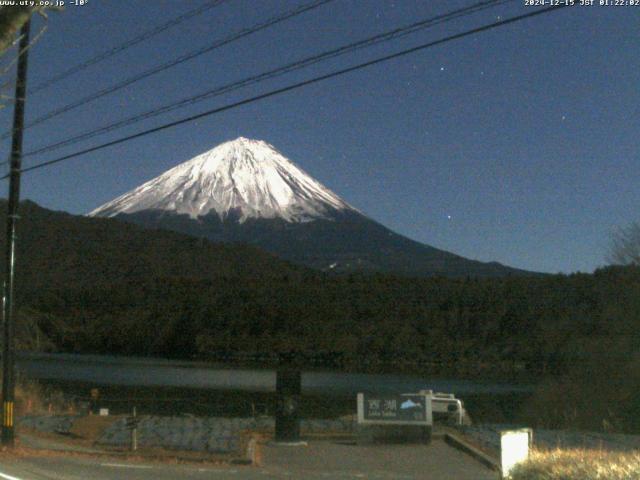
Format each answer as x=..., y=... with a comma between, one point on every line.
x=246, y=191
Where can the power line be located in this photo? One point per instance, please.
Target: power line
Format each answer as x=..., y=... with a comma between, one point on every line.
x=294, y=86
x=177, y=61
x=374, y=40
x=126, y=45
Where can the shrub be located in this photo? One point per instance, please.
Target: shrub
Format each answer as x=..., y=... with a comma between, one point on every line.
x=578, y=465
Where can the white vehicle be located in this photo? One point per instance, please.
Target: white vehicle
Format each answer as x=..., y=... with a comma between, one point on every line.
x=446, y=405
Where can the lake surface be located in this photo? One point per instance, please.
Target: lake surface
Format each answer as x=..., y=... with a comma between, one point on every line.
x=137, y=372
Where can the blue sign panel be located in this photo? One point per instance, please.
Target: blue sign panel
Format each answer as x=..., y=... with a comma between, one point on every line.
x=394, y=409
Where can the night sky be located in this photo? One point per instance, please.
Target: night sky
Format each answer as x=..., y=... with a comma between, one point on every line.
x=518, y=145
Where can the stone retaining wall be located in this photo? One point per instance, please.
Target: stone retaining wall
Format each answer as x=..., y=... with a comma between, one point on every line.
x=210, y=434
x=48, y=423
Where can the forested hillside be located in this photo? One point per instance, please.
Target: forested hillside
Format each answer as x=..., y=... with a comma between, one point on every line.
x=99, y=286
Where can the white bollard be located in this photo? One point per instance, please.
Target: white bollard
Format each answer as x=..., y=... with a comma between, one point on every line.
x=514, y=448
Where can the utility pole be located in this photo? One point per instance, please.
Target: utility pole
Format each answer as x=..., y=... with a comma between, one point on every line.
x=288, y=389
x=8, y=367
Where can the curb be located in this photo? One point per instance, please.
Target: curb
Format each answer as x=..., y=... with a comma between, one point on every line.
x=464, y=446
x=128, y=454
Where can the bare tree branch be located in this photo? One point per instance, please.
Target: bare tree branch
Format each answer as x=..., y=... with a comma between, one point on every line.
x=13, y=17
x=625, y=245
x=11, y=20
x=33, y=41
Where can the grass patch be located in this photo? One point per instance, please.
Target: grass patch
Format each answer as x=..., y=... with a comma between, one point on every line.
x=92, y=426
x=577, y=464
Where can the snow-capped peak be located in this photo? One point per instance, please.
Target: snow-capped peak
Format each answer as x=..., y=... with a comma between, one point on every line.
x=247, y=177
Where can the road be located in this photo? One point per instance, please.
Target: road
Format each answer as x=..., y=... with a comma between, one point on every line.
x=317, y=460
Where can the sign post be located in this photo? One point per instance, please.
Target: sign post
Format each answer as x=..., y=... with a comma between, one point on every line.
x=132, y=424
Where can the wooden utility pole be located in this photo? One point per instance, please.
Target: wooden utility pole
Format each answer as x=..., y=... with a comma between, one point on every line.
x=8, y=345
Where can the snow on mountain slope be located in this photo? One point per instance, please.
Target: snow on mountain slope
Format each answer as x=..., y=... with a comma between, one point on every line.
x=243, y=177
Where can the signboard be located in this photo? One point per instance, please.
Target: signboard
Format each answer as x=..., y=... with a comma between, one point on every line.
x=385, y=409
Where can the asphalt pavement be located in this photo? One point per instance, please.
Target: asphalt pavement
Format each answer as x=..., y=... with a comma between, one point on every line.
x=328, y=459
x=317, y=460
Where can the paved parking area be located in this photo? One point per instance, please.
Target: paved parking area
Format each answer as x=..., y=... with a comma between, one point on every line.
x=330, y=459
x=316, y=460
